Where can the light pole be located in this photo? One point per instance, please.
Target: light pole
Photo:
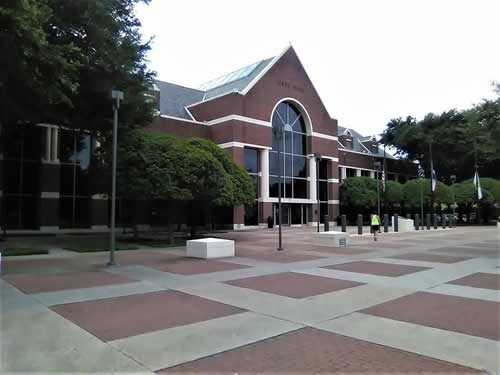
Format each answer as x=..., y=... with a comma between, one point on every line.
x=377, y=168
x=317, y=156
x=421, y=175
x=117, y=96
x=278, y=134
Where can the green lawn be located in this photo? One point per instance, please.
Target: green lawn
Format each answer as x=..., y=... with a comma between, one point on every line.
x=88, y=245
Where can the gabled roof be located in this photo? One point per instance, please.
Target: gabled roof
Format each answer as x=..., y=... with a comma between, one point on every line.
x=174, y=98
x=357, y=143
x=234, y=81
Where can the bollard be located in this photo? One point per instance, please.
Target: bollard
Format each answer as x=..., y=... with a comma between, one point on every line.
x=448, y=218
x=344, y=223
x=443, y=221
x=417, y=222
x=386, y=223
x=327, y=223
x=408, y=216
x=435, y=221
x=360, y=224
x=428, y=220
x=396, y=224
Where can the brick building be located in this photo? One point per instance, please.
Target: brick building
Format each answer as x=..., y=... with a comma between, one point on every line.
x=47, y=184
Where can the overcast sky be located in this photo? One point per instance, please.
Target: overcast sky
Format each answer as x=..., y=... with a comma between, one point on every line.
x=369, y=60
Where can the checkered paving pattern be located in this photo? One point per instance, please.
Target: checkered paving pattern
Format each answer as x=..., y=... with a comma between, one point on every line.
x=190, y=266
x=293, y=285
x=425, y=257
x=469, y=251
x=208, y=320
x=464, y=315
x=50, y=283
x=120, y=317
x=274, y=256
x=313, y=351
x=480, y=280
x=375, y=268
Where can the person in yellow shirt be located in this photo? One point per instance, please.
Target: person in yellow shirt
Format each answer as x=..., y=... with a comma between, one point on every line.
x=375, y=224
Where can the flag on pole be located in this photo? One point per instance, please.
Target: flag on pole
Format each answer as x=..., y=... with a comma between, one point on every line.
x=477, y=184
x=383, y=180
x=434, y=180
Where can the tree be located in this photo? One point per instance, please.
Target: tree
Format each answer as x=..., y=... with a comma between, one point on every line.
x=197, y=171
x=454, y=135
x=393, y=192
x=359, y=192
x=62, y=58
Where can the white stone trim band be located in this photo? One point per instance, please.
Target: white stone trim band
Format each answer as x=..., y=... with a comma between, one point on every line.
x=334, y=201
x=333, y=180
x=325, y=136
x=241, y=145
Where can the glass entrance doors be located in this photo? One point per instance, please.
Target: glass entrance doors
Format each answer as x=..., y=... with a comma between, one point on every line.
x=293, y=213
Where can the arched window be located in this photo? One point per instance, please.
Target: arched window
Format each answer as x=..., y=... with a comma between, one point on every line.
x=293, y=153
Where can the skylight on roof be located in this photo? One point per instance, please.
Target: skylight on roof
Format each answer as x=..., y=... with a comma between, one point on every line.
x=230, y=77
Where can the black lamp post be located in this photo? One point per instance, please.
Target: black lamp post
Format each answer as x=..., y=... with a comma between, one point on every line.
x=278, y=134
x=453, y=179
x=317, y=157
x=377, y=166
x=421, y=175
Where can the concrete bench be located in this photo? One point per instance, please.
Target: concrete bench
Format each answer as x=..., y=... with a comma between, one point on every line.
x=332, y=239
x=209, y=248
x=404, y=225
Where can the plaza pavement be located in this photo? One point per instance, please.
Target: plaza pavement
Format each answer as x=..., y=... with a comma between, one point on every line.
x=425, y=302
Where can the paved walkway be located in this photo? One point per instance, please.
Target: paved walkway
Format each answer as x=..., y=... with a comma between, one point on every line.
x=421, y=302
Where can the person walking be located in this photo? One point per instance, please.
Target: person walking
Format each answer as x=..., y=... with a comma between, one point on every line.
x=375, y=224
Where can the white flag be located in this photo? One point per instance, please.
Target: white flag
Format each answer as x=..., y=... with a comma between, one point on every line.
x=434, y=180
x=477, y=184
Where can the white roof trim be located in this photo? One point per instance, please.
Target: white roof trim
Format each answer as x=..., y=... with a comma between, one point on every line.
x=189, y=113
x=264, y=71
x=241, y=145
x=213, y=98
x=239, y=118
x=182, y=119
x=366, y=148
x=325, y=136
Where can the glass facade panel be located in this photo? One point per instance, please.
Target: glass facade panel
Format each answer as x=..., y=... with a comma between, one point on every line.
x=75, y=155
x=294, y=164
x=22, y=179
x=323, y=191
x=300, y=188
x=323, y=169
x=299, y=166
x=251, y=160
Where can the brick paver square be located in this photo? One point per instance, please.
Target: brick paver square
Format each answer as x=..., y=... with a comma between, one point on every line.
x=295, y=285
x=191, y=266
x=37, y=266
x=480, y=280
x=312, y=351
x=30, y=284
x=465, y=315
x=376, y=268
x=272, y=255
x=115, y=318
x=426, y=257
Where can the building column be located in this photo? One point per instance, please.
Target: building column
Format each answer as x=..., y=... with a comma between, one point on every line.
x=264, y=173
x=358, y=172
x=333, y=191
x=54, y=144
x=312, y=178
x=343, y=173
x=238, y=155
x=372, y=174
x=99, y=212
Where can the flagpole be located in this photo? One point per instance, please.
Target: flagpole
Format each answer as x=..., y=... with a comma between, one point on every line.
x=432, y=178
x=476, y=177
